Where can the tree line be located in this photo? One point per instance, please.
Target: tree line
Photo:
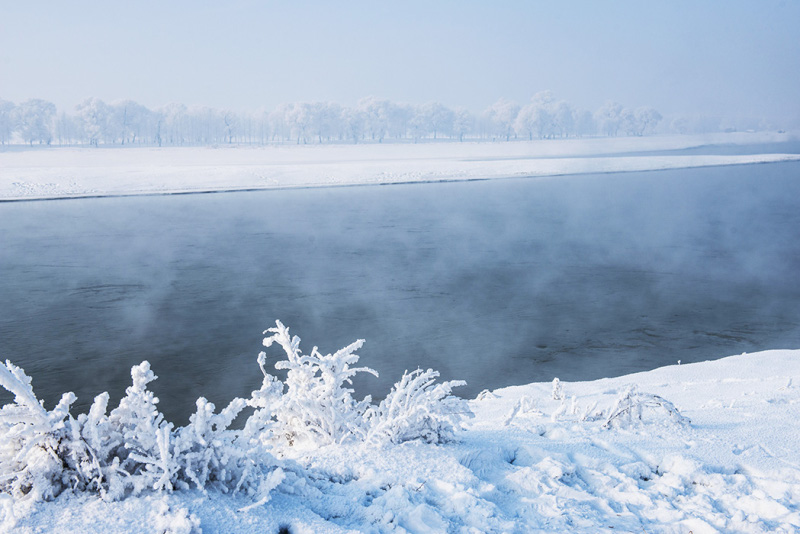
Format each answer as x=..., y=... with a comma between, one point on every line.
x=125, y=122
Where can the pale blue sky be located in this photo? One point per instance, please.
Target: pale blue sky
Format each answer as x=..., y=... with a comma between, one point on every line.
x=724, y=57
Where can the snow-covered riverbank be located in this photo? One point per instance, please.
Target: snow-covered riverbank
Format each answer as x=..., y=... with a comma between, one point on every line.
x=86, y=172
x=527, y=462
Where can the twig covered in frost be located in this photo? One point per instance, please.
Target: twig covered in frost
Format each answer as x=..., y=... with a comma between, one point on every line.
x=558, y=390
x=629, y=406
x=524, y=406
x=486, y=394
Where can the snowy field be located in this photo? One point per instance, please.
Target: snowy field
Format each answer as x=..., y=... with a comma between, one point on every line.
x=81, y=172
x=704, y=447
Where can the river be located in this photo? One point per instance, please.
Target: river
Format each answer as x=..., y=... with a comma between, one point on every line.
x=496, y=282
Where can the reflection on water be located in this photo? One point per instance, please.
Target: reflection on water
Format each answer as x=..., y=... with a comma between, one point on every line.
x=498, y=283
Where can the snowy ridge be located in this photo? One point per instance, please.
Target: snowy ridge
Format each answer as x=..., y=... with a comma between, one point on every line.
x=706, y=447
x=86, y=172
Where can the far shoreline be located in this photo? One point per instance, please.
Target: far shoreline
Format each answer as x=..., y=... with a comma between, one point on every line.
x=222, y=189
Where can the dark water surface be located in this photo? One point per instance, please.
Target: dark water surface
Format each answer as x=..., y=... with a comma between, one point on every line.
x=499, y=283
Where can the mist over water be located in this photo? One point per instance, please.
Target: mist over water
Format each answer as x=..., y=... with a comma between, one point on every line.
x=499, y=283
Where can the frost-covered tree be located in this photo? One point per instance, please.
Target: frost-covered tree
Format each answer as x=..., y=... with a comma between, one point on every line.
x=647, y=118
x=34, y=120
x=400, y=116
x=204, y=126
x=530, y=120
x=299, y=117
x=67, y=129
x=279, y=122
x=94, y=116
x=353, y=122
x=418, y=126
x=376, y=113
x=128, y=121
x=326, y=118
x=172, y=126
x=637, y=122
x=609, y=118
x=584, y=122
x=680, y=124
x=438, y=118
x=231, y=123
x=545, y=117
x=563, y=119
x=7, y=121
x=627, y=122
x=500, y=117
x=463, y=123
x=263, y=126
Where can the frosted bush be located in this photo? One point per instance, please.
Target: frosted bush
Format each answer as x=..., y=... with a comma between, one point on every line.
x=34, y=442
x=628, y=408
x=133, y=449
x=317, y=407
x=145, y=450
x=418, y=408
x=558, y=390
x=208, y=450
x=128, y=451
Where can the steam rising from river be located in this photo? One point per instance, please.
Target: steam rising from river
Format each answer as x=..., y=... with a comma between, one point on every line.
x=497, y=283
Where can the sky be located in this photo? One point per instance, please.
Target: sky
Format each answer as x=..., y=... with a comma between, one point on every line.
x=723, y=58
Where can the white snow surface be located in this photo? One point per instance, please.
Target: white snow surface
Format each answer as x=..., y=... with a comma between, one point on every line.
x=85, y=172
x=551, y=467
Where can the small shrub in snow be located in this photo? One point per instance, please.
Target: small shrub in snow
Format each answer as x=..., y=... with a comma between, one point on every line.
x=591, y=413
x=145, y=449
x=629, y=407
x=558, y=390
x=208, y=451
x=486, y=394
x=34, y=443
x=128, y=451
x=558, y=412
x=418, y=408
x=317, y=407
x=524, y=406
